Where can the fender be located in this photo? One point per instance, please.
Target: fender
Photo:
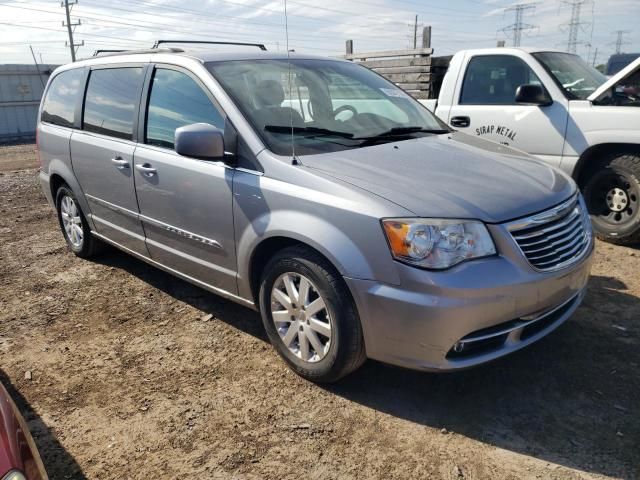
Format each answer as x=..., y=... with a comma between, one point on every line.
x=315, y=232
x=60, y=168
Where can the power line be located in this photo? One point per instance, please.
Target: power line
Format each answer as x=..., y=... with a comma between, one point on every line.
x=519, y=26
x=70, y=28
x=146, y=24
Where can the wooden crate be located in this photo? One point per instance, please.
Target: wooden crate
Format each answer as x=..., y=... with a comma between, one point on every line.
x=410, y=69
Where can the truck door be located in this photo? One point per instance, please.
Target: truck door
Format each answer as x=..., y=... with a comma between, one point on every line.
x=484, y=105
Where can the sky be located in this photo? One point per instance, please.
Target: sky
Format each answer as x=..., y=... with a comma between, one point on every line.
x=315, y=27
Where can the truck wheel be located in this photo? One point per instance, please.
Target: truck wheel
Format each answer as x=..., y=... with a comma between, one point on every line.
x=612, y=195
x=310, y=317
x=74, y=226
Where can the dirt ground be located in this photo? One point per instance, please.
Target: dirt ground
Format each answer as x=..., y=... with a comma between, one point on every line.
x=136, y=374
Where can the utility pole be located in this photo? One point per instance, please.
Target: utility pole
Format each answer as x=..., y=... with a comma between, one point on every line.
x=595, y=56
x=70, y=28
x=414, y=34
x=620, y=40
x=37, y=67
x=519, y=26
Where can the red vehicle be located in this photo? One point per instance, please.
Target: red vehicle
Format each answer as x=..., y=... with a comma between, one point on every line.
x=19, y=457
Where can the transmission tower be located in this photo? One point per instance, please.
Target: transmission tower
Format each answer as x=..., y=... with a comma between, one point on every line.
x=71, y=26
x=620, y=41
x=574, y=24
x=516, y=28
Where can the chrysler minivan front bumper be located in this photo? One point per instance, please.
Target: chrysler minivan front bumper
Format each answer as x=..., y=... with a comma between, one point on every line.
x=472, y=313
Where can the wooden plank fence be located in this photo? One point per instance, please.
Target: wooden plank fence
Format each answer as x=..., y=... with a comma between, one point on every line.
x=410, y=69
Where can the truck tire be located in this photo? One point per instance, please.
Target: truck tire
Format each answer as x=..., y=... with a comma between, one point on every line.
x=612, y=195
x=317, y=333
x=74, y=226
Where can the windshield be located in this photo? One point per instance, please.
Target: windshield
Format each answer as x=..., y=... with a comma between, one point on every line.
x=332, y=105
x=571, y=73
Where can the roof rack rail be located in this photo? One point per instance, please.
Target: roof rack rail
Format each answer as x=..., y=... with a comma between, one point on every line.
x=242, y=44
x=98, y=52
x=108, y=53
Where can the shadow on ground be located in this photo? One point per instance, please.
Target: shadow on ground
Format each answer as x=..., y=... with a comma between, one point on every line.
x=570, y=399
x=59, y=463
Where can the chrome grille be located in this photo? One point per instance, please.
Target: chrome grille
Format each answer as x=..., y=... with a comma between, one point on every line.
x=554, y=238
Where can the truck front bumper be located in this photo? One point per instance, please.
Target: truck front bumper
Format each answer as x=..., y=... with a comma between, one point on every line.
x=473, y=313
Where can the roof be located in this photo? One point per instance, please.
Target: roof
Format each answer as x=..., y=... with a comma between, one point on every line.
x=213, y=55
x=512, y=49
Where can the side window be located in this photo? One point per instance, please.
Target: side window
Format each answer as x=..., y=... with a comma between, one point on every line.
x=177, y=100
x=60, y=101
x=493, y=80
x=109, y=105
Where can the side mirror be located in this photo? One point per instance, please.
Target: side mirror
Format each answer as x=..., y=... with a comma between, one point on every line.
x=533, y=95
x=200, y=140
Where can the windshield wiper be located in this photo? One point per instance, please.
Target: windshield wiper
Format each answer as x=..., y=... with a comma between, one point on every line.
x=311, y=130
x=400, y=132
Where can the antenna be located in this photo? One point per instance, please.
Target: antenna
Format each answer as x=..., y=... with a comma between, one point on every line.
x=289, y=84
x=519, y=26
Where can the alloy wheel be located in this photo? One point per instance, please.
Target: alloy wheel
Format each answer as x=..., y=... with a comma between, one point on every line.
x=71, y=221
x=301, y=317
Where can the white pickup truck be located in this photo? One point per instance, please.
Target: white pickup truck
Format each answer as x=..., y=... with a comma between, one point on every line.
x=556, y=107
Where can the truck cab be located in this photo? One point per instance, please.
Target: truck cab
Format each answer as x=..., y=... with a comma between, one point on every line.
x=553, y=105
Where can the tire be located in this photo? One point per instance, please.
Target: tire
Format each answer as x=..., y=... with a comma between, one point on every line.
x=342, y=344
x=79, y=239
x=612, y=195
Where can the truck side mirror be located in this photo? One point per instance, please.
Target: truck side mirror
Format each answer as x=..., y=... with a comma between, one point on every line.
x=200, y=140
x=533, y=95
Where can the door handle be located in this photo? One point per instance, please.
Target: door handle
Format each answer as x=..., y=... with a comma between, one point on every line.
x=460, y=121
x=120, y=163
x=146, y=169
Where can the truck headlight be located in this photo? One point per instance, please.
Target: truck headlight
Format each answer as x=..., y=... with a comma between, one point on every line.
x=437, y=244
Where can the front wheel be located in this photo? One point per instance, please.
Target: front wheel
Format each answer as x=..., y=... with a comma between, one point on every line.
x=310, y=317
x=612, y=195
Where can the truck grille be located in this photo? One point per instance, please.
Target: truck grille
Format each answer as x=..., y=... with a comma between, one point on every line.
x=554, y=238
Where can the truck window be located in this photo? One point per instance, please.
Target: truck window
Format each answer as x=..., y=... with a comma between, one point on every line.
x=177, y=100
x=493, y=80
x=110, y=102
x=60, y=101
x=571, y=73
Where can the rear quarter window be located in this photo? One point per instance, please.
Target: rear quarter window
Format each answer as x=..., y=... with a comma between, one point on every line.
x=60, y=101
x=110, y=102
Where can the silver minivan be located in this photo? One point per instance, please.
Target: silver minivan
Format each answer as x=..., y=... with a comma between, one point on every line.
x=320, y=194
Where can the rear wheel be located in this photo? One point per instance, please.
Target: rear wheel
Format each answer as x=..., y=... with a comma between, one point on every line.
x=612, y=195
x=74, y=226
x=310, y=317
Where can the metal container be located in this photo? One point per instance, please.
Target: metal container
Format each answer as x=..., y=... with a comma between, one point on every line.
x=21, y=88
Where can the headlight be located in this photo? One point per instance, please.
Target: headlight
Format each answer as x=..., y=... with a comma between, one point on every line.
x=14, y=475
x=437, y=244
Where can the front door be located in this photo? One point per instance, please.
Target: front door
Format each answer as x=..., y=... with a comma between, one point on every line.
x=185, y=203
x=102, y=154
x=486, y=107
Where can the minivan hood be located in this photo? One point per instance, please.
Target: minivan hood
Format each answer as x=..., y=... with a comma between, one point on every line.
x=451, y=176
x=625, y=72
